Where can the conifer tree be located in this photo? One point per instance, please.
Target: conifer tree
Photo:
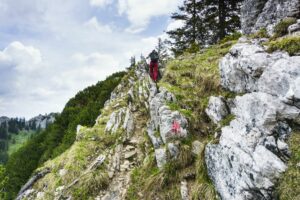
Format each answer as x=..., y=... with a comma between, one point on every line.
x=191, y=34
x=221, y=18
x=205, y=22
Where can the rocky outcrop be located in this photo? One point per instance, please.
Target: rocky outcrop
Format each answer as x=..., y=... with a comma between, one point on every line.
x=42, y=121
x=161, y=128
x=26, y=189
x=252, y=151
x=241, y=68
x=257, y=14
x=294, y=29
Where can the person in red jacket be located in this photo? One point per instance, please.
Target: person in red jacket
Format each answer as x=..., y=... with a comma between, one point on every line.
x=153, y=67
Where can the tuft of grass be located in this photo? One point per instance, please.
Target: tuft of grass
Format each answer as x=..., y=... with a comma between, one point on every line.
x=226, y=121
x=288, y=188
x=262, y=33
x=90, y=185
x=281, y=28
x=149, y=181
x=233, y=36
x=288, y=44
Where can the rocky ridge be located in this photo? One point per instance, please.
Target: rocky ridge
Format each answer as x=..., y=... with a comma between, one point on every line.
x=252, y=151
x=124, y=117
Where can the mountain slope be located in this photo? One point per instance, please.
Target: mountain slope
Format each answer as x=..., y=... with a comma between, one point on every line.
x=83, y=108
x=169, y=140
x=132, y=152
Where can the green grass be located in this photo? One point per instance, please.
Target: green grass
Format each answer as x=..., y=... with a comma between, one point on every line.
x=148, y=181
x=193, y=78
x=18, y=140
x=289, y=184
x=288, y=44
x=262, y=33
x=281, y=28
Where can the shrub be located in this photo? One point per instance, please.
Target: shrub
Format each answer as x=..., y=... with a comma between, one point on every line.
x=233, y=36
x=262, y=33
x=281, y=28
x=289, y=44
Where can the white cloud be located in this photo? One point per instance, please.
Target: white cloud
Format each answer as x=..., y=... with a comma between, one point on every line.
x=65, y=46
x=175, y=24
x=140, y=12
x=100, y=3
x=22, y=58
x=94, y=24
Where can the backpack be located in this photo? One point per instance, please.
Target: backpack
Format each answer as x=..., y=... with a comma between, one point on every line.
x=154, y=56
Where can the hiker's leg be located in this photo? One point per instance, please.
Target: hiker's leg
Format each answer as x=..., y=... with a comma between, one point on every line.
x=151, y=70
x=155, y=71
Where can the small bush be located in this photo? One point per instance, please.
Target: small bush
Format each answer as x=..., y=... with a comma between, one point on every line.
x=233, y=36
x=262, y=33
x=281, y=28
x=289, y=44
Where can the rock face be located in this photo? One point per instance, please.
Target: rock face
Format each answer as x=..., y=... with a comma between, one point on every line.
x=257, y=14
x=217, y=109
x=242, y=67
x=252, y=151
x=42, y=121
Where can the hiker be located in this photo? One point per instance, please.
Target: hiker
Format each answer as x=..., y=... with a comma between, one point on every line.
x=153, y=67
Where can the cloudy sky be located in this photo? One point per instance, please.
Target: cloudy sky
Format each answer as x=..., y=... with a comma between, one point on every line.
x=51, y=49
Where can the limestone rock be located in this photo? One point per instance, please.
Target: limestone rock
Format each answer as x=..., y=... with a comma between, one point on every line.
x=161, y=157
x=217, y=109
x=130, y=154
x=294, y=27
x=115, y=121
x=293, y=95
x=97, y=162
x=257, y=14
x=173, y=150
x=278, y=78
x=244, y=64
x=128, y=125
x=248, y=159
x=167, y=120
x=184, y=190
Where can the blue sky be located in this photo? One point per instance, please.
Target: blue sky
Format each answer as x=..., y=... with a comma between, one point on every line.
x=51, y=49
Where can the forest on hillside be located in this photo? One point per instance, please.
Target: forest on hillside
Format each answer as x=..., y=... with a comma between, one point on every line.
x=82, y=109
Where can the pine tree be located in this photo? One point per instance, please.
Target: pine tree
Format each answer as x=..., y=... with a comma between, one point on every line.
x=205, y=22
x=191, y=34
x=221, y=18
